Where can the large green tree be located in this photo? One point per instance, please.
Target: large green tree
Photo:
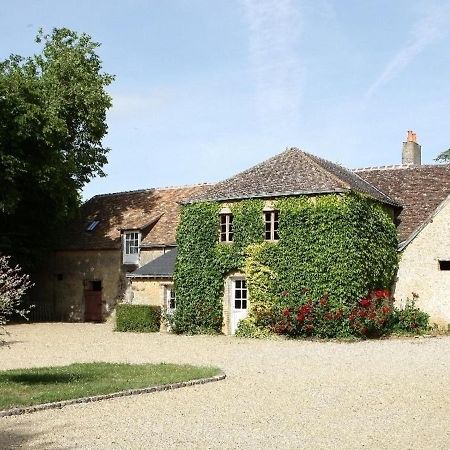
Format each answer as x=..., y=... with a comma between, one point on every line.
x=52, y=121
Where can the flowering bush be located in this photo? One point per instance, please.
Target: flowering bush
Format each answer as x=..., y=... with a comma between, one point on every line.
x=411, y=319
x=374, y=314
x=371, y=316
x=13, y=285
x=313, y=318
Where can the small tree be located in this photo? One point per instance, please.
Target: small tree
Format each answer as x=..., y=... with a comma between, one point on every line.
x=13, y=285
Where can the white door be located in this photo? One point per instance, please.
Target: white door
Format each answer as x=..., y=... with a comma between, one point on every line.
x=239, y=302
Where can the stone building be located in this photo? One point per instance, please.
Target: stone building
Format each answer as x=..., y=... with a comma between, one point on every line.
x=423, y=229
x=113, y=236
x=122, y=247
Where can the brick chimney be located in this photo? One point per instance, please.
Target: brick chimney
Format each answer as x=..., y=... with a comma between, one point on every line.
x=412, y=151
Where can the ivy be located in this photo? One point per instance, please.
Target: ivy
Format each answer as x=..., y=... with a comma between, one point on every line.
x=342, y=246
x=203, y=262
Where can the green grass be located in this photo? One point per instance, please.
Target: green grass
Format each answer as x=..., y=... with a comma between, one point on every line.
x=27, y=387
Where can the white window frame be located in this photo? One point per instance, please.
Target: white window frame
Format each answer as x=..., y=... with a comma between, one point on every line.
x=243, y=294
x=169, y=295
x=131, y=257
x=271, y=234
x=227, y=234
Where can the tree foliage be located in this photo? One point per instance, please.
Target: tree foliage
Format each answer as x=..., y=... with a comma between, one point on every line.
x=444, y=156
x=52, y=120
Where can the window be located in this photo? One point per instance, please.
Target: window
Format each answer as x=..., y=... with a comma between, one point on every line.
x=271, y=225
x=226, y=227
x=92, y=225
x=131, y=242
x=240, y=294
x=444, y=264
x=171, y=302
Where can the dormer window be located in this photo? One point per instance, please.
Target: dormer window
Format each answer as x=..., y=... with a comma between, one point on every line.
x=226, y=227
x=131, y=243
x=271, y=225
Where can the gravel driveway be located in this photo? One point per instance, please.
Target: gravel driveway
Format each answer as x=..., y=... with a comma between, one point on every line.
x=392, y=394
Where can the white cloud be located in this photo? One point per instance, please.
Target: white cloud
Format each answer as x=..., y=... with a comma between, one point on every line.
x=425, y=32
x=275, y=27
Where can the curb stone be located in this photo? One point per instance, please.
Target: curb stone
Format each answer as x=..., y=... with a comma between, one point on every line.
x=96, y=398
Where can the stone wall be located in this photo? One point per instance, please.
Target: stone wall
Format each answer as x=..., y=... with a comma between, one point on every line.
x=149, y=254
x=150, y=291
x=419, y=270
x=67, y=274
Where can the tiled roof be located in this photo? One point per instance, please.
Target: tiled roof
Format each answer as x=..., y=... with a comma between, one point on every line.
x=420, y=190
x=160, y=267
x=292, y=172
x=155, y=211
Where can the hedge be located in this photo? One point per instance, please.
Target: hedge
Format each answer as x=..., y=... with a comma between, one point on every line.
x=140, y=318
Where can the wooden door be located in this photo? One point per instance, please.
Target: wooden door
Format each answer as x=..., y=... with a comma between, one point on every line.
x=93, y=306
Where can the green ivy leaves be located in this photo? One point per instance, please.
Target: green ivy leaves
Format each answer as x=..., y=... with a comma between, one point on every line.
x=344, y=246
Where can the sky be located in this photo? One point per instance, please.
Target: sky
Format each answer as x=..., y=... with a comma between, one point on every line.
x=207, y=88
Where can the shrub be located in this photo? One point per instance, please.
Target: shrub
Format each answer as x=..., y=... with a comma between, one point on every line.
x=140, y=318
x=13, y=285
x=313, y=318
x=374, y=315
x=411, y=319
x=247, y=328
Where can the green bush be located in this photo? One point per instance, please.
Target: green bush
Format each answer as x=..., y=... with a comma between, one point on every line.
x=411, y=319
x=247, y=328
x=140, y=318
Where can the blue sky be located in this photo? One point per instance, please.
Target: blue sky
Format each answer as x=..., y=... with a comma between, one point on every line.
x=207, y=88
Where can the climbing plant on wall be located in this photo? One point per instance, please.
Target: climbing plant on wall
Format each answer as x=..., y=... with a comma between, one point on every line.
x=341, y=246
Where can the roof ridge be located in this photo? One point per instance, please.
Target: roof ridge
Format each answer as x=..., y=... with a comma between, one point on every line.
x=163, y=188
x=185, y=186
x=314, y=159
x=398, y=166
x=132, y=191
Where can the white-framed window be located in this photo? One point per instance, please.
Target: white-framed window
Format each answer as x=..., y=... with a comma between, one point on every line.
x=271, y=225
x=240, y=294
x=171, y=301
x=226, y=227
x=131, y=243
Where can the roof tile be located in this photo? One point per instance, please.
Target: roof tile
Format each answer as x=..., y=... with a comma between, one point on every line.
x=292, y=172
x=420, y=190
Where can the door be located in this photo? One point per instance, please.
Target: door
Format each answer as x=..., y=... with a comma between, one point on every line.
x=93, y=311
x=239, y=302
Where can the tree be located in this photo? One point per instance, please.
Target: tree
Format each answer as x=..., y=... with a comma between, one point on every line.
x=52, y=121
x=444, y=156
x=13, y=285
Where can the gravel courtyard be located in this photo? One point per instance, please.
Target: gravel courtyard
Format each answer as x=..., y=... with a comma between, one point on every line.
x=391, y=394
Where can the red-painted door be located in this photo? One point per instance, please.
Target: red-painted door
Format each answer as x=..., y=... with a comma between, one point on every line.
x=93, y=306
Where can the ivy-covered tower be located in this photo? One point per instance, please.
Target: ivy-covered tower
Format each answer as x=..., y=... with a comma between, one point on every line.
x=290, y=230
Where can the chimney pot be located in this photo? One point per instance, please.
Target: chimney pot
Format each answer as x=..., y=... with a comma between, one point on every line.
x=412, y=151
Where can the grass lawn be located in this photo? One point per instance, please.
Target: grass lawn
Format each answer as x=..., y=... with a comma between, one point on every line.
x=25, y=387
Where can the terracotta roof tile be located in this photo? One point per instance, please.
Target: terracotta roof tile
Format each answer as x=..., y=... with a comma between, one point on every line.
x=420, y=190
x=292, y=172
x=155, y=211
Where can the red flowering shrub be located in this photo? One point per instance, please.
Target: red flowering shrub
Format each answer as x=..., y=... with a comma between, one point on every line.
x=373, y=316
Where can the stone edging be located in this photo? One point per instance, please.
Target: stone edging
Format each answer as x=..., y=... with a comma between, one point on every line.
x=96, y=398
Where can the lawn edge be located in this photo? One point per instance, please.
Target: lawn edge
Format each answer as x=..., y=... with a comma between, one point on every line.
x=95, y=398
